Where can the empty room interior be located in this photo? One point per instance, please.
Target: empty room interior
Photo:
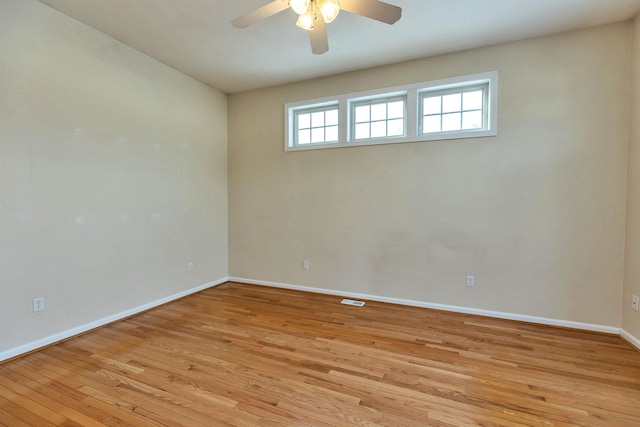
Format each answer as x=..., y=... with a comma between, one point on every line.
x=419, y=213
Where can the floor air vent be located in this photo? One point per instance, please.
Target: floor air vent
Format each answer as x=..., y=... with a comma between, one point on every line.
x=352, y=302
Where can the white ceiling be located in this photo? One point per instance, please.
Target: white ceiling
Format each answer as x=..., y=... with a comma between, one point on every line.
x=196, y=36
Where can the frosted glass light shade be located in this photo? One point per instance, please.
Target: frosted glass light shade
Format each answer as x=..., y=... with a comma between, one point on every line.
x=300, y=6
x=305, y=21
x=329, y=10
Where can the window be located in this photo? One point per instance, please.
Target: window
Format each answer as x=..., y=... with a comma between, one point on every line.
x=316, y=125
x=453, y=110
x=378, y=118
x=461, y=107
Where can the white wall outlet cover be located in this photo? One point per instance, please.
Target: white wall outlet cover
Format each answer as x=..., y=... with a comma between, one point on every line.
x=38, y=304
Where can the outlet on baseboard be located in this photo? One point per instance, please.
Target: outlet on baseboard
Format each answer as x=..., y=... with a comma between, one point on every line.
x=635, y=302
x=38, y=304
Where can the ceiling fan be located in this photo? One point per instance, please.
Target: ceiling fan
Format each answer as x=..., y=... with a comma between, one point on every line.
x=313, y=15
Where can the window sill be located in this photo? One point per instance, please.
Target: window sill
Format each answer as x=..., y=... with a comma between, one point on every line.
x=398, y=140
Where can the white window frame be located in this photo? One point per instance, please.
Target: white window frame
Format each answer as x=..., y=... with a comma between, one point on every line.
x=310, y=110
x=354, y=103
x=454, y=91
x=413, y=121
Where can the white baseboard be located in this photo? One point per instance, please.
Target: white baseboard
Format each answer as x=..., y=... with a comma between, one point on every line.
x=497, y=314
x=630, y=338
x=26, y=348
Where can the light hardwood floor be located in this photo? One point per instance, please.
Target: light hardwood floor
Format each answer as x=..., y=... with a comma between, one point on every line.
x=254, y=356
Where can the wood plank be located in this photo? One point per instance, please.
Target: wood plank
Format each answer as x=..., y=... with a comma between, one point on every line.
x=243, y=355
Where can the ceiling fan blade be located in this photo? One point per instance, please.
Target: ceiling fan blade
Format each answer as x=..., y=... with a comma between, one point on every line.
x=373, y=9
x=263, y=12
x=318, y=37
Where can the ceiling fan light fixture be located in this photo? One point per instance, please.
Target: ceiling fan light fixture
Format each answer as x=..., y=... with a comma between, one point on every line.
x=300, y=6
x=313, y=15
x=305, y=21
x=329, y=10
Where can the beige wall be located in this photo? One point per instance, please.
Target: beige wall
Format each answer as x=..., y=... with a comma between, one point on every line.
x=631, y=319
x=113, y=176
x=536, y=214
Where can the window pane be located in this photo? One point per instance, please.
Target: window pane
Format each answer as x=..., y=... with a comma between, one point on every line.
x=312, y=125
x=378, y=112
x=362, y=114
x=451, y=121
x=472, y=120
x=331, y=133
x=451, y=103
x=431, y=124
x=331, y=117
x=431, y=105
x=317, y=135
x=378, y=129
x=396, y=127
x=317, y=119
x=304, y=121
x=304, y=137
x=362, y=130
x=472, y=100
x=395, y=110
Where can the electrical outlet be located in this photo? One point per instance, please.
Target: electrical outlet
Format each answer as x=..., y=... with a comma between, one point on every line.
x=305, y=264
x=38, y=304
x=471, y=281
x=190, y=266
x=635, y=302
